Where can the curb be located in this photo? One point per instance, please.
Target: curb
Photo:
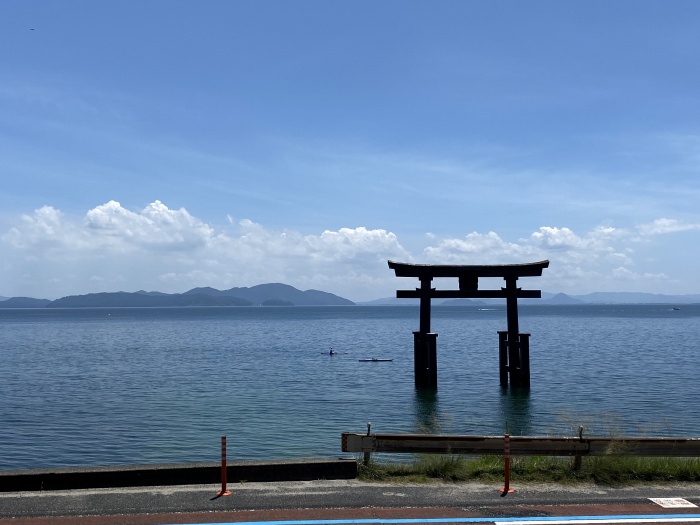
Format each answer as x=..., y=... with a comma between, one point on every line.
x=175, y=474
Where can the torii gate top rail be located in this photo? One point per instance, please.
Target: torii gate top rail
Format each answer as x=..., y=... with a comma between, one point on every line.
x=465, y=270
x=468, y=284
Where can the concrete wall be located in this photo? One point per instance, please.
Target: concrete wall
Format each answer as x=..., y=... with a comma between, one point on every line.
x=178, y=474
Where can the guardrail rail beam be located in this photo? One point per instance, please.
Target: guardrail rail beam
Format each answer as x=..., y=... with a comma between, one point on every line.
x=520, y=445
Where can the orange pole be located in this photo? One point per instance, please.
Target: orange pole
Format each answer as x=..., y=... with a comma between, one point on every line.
x=506, y=457
x=223, y=491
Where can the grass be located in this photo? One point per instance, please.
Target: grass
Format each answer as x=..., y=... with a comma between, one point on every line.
x=603, y=470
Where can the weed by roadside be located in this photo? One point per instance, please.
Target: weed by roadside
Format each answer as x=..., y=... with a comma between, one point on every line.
x=603, y=470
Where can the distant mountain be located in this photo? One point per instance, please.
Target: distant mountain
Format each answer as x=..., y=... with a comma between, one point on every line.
x=561, y=298
x=264, y=293
x=124, y=299
x=390, y=301
x=277, y=294
x=261, y=295
x=23, y=302
x=462, y=302
x=144, y=292
x=637, y=298
x=207, y=290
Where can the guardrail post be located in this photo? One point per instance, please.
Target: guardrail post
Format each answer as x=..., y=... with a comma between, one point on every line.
x=506, y=457
x=368, y=455
x=223, y=491
x=577, y=457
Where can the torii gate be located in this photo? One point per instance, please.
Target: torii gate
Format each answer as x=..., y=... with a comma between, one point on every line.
x=514, y=347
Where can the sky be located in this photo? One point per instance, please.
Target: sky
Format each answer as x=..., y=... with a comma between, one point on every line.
x=167, y=144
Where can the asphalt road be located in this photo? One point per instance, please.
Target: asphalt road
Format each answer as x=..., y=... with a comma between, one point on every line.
x=333, y=500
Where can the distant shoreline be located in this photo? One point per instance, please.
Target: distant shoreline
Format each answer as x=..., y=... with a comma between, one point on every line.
x=282, y=295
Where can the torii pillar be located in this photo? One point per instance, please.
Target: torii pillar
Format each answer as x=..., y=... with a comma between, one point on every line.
x=425, y=341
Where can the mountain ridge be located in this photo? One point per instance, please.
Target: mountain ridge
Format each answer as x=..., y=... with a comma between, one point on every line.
x=274, y=294
x=279, y=294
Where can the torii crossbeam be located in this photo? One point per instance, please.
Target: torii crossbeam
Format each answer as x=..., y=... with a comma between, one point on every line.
x=513, y=346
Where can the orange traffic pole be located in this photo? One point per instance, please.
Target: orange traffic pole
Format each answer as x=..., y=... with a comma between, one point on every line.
x=223, y=491
x=506, y=457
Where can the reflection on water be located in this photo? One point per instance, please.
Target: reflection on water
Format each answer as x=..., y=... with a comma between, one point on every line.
x=426, y=410
x=516, y=411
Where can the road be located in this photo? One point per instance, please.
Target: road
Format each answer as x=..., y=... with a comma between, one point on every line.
x=352, y=501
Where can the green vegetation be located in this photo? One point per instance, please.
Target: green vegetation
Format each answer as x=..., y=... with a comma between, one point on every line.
x=603, y=470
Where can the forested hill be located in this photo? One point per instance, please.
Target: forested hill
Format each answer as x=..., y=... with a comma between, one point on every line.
x=260, y=295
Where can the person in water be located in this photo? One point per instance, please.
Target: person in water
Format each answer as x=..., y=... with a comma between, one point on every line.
x=331, y=352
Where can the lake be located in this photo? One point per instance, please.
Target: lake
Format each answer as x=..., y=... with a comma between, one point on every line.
x=162, y=385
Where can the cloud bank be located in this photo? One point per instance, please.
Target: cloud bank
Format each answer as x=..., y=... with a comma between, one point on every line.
x=48, y=254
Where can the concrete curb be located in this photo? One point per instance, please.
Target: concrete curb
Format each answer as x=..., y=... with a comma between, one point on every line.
x=175, y=474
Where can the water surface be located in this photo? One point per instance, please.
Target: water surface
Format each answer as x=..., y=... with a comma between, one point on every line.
x=161, y=385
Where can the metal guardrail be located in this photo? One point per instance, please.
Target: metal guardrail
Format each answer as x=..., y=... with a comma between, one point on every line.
x=520, y=445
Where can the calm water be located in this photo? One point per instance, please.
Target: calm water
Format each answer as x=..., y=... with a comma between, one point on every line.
x=122, y=386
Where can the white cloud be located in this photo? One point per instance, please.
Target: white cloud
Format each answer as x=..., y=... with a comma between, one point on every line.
x=663, y=226
x=48, y=254
x=598, y=260
x=44, y=224
x=155, y=227
x=556, y=238
x=349, y=243
x=477, y=248
x=622, y=273
x=625, y=274
x=160, y=246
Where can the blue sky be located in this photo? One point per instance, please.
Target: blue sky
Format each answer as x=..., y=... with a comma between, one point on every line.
x=163, y=145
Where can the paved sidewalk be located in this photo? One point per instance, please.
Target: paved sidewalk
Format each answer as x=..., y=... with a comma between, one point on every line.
x=332, y=500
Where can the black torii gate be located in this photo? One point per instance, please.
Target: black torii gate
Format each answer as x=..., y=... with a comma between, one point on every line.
x=514, y=347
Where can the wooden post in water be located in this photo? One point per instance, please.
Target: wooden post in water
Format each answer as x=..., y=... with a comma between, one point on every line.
x=425, y=342
x=514, y=364
x=503, y=357
x=425, y=359
x=525, y=359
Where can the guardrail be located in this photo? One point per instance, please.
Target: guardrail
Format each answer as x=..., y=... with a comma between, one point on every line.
x=520, y=445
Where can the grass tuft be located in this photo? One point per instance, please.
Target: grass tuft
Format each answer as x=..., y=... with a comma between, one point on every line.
x=602, y=470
